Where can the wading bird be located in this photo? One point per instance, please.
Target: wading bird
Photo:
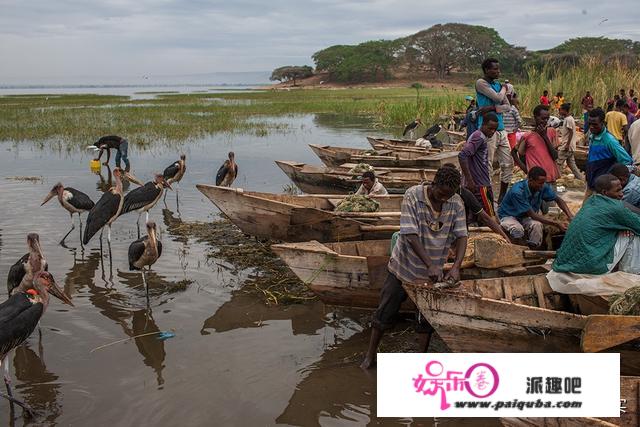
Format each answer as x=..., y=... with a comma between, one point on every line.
x=19, y=316
x=227, y=172
x=145, y=252
x=175, y=172
x=142, y=199
x=24, y=270
x=74, y=201
x=107, y=209
x=411, y=127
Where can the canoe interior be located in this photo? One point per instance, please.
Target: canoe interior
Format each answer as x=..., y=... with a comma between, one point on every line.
x=363, y=249
x=387, y=203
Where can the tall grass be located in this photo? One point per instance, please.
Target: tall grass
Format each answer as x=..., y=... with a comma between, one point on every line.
x=603, y=79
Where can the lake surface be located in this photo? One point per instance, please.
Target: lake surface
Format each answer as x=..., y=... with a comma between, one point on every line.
x=233, y=360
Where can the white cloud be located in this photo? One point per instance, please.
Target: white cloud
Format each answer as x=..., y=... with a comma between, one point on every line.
x=40, y=38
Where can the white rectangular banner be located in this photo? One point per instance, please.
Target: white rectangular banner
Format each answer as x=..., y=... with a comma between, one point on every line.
x=498, y=385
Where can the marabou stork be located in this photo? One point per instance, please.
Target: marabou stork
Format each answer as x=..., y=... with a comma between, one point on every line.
x=73, y=201
x=19, y=316
x=107, y=209
x=227, y=172
x=174, y=173
x=145, y=252
x=142, y=199
x=411, y=127
x=31, y=263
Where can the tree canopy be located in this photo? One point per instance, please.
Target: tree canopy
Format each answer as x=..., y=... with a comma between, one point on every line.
x=291, y=73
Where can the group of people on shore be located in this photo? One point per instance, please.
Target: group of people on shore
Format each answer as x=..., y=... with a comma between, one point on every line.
x=435, y=216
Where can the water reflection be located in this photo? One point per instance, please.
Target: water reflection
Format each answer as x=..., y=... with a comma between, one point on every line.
x=36, y=384
x=245, y=311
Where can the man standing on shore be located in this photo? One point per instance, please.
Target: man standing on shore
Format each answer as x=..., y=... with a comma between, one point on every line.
x=432, y=220
x=617, y=121
x=536, y=147
x=544, y=99
x=587, y=105
x=567, y=137
x=491, y=96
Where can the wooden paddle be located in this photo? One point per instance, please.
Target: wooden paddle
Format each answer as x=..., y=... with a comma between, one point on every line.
x=604, y=331
x=495, y=254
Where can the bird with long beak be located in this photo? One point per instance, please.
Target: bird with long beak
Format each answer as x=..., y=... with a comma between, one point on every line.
x=411, y=127
x=31, y=263
x=107, y=209
x=142, y=199
x=19, y=316
x=74, y=201
x=145, y=252
x=174, y=173
x=227, y=172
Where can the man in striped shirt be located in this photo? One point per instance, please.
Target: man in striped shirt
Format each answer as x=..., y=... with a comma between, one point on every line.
x=432, y=220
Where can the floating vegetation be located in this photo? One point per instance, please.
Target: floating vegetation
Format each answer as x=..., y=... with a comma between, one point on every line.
x=26, y=178
x=269, y=277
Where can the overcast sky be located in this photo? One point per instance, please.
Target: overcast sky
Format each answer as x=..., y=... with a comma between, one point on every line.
x=55, y=38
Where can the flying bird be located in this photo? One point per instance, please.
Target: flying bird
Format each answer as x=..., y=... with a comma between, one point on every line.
x=411, y=127
x=227, y=172
x=19, y=316
x=30, y=264
x=74, y=201
x=142, y=199
x=145, y=252
x=603, y=21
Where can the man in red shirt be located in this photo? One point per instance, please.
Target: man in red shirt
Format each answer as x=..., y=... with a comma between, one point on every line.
x=544, y=99
x=536, y=146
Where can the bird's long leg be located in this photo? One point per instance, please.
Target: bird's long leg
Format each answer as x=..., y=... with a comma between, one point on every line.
x=177, y=198
x=146, y=288
x=7, y=381
x=23, y=405
x=73, y=226
x=138, y=223
x=146, y=217
x=80, y=221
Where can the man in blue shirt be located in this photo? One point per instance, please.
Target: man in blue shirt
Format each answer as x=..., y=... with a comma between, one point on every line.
x=492, y=96
x=604, y=150
x=520, y=210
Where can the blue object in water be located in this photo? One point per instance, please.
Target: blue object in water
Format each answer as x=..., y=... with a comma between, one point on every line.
x=165, y=335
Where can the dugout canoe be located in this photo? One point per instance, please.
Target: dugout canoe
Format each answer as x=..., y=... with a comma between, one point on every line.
x=335, y=156
x=352, y=273
x=301, y=218
x=324, y=180
x=522, y=314
x=399, y=145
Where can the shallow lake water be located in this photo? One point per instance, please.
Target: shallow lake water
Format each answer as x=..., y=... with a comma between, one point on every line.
x=233, y=360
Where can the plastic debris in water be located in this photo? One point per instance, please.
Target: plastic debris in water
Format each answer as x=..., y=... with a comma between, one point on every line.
x=165, y=335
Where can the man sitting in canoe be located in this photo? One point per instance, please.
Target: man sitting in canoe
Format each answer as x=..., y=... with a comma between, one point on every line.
x=520, y=210
x=432, y=220
x=371, y=186
x=630, y=184
x=601, y=238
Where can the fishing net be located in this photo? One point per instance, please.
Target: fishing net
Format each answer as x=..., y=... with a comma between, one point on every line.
x=370, y=153
x=355, y=203
x=361, y=168
x=627, y=303
x=469, y=254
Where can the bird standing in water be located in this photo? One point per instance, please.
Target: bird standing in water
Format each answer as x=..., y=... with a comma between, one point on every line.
x=411, y=127
x=142, y=199
x=24, y=270
x=73, y=201
x=107, y=209
x=19, y=316
x=145, y=252
x=174, y=173
x=227, y=172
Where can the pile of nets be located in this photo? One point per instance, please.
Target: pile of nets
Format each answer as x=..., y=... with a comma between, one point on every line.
x=370, y=153
x=570, y=181
x=355, y=203
x=469, y=254
x=627, y=303
x=361, y=168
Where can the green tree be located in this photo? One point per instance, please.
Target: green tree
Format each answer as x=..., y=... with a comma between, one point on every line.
x=291, y=73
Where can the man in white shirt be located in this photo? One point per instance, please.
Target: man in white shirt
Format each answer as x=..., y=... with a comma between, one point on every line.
x=371, y=186
x=567, y=138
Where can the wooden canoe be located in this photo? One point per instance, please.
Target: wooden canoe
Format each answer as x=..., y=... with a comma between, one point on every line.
x=629, y=416
x=516, y=314
x=336, y=156
x=301, y=218
x=352, y=273
x=323, y=180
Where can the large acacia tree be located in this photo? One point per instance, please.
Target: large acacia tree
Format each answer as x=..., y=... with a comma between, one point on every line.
x=291, y=73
